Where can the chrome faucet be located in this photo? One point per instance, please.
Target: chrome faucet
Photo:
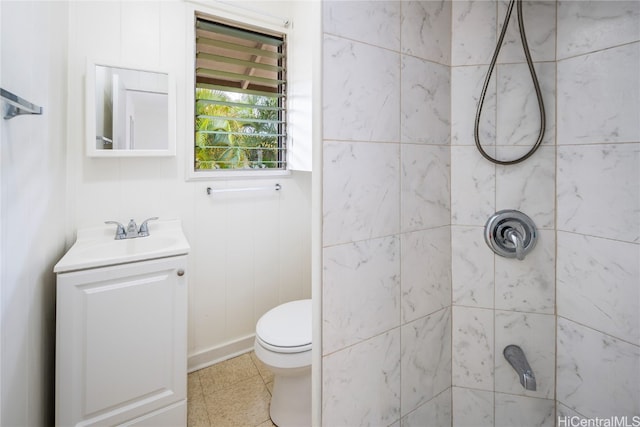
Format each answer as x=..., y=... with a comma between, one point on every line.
x=132, y=230
x=516, y=358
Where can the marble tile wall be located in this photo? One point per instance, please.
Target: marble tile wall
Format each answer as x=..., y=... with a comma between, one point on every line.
x=598, y=203
x=406, y=196
x=498, y=301
x=386, y=213
x=588, y=181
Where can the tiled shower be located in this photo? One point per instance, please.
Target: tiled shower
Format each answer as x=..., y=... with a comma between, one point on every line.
x=416, y=308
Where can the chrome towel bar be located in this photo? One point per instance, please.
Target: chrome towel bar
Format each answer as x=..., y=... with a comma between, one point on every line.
x=210, y=190
x=17, y=106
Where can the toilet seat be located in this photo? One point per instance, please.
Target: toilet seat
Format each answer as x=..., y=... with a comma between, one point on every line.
x=277, y=349
x=286, y=328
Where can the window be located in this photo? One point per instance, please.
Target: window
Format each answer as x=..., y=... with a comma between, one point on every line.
x=240, y=98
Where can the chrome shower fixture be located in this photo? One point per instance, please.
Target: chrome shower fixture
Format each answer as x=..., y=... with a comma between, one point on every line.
x=511, y=234
x=534, y=78
x=518, y=361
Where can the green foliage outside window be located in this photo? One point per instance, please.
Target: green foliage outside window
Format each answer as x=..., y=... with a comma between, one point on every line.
x=237, y=131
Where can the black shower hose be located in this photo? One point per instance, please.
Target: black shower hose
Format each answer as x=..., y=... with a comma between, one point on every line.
x=536, y=86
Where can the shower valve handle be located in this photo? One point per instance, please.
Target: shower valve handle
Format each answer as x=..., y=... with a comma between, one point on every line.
x=511, y=234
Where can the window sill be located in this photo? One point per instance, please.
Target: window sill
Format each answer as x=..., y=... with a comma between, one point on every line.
x=235, y=174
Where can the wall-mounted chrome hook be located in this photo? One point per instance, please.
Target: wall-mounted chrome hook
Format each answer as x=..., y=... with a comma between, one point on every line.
x=510, y=234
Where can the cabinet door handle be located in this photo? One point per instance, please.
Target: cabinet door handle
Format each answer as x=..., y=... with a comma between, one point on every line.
x=181, y=272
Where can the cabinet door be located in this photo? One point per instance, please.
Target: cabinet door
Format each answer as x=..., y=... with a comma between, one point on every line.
x=121, y=341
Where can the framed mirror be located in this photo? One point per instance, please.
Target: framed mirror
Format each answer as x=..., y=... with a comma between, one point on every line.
x=130, y=112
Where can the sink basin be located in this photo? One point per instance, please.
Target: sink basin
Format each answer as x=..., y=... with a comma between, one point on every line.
x=97, y=247
x=144, y=246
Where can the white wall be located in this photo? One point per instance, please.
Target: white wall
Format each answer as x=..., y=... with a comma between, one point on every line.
x=249, y=251
x=252, y=252
x=33, y=208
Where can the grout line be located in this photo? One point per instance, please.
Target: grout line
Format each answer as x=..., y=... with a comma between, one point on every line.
x=495, y=202
x=401, y=179
x=578, y=55
x=559, y=316
x=555, y=220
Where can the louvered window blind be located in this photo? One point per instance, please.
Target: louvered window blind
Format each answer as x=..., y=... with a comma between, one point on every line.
x=240, y=90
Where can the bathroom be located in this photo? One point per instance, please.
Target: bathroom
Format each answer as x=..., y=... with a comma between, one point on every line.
x=411, y=308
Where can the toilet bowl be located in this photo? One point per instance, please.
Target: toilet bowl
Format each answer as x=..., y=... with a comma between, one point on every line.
x=283, y=344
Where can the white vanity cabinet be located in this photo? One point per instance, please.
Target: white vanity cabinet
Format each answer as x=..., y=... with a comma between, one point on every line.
x=121, y=342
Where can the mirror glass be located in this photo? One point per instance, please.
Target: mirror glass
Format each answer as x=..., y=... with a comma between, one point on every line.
x=131, y=112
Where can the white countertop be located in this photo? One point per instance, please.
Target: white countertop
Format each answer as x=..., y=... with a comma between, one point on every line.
x=97, y=247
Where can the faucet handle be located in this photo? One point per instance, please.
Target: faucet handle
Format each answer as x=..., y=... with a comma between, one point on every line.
x=512, y=235
x=144, y=228
x=121, y=233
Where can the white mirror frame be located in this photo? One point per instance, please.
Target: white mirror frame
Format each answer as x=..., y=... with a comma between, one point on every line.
x=90, y=115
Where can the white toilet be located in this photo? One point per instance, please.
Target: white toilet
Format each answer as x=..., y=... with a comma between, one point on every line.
x=283, y=344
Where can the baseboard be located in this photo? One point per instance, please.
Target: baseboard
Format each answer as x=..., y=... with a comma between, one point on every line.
x=220, y=353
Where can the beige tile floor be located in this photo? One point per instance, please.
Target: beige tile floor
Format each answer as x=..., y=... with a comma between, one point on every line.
x=235, y=393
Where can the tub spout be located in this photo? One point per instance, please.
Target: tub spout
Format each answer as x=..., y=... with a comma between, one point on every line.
x=516, y=358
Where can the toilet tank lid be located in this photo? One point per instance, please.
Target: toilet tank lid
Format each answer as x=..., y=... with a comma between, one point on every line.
x=287, y=325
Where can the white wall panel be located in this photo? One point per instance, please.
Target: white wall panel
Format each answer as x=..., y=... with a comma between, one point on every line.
x=249, y=251
x=33, y=208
